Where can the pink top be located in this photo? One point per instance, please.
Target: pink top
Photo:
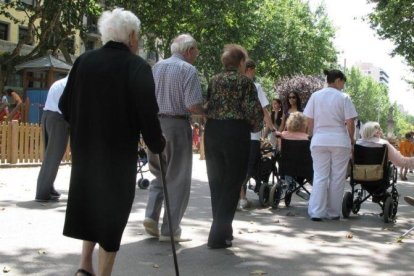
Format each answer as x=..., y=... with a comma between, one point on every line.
x=393, y=154
x=290, y=135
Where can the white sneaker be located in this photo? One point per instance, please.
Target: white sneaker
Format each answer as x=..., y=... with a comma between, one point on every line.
x=177, y=238
x=244, y=203
x=151, y=227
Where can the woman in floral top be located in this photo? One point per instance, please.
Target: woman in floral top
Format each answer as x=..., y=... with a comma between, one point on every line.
x=233, y=112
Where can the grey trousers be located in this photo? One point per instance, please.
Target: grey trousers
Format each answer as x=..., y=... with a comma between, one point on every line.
x=178, y=161
x=55, y=137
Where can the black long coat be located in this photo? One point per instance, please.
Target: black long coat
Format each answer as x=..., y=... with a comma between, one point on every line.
x=108, y=101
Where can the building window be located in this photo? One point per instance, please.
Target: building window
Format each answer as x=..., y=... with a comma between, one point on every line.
x=28, y=2
x=23, y=34
x=70, y=45
x=90, y=45
x=4, y=31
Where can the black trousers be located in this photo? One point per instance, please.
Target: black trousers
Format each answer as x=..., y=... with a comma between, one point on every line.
x=254, y=158
x=227, y=146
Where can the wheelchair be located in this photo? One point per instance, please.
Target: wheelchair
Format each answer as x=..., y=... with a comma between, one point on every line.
x=383, y=191
x=265, y=170
x=296, y=162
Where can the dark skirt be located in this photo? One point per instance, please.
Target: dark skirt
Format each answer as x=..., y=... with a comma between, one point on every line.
x=227, y=146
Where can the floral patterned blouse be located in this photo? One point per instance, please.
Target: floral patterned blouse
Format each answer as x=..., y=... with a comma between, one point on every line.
x=233, y=96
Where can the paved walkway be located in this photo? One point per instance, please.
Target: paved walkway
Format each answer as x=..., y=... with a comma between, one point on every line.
x=267, y=241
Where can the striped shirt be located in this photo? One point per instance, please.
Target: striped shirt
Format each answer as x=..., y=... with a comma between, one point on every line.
x=177, y=86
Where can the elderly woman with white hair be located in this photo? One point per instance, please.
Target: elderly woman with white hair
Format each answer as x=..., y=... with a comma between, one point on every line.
x=104, y=146
x=371, y=137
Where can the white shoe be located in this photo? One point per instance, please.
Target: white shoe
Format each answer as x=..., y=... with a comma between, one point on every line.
x=177, y=238
x=151, y=227
x=244, y=203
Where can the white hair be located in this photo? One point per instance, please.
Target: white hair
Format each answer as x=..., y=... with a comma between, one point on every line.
x=117, y=25
x=369, y=129
x=182, y=43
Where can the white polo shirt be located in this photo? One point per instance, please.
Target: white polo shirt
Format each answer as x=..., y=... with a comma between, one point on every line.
x=263, y=102
x=330, y=108
x=54, y=94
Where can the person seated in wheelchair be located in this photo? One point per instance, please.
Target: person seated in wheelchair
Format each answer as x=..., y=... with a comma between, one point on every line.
x=371, y=136
x=379, y=183
x=296, y=130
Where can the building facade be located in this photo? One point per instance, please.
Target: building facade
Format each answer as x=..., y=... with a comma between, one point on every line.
x=375, y=72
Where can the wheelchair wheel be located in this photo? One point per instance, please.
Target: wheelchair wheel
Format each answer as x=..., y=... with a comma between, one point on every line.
x=394, y=174
x=275, y=195
x=143, y=183
x=264, y=192
x=356, y=206
x=395, y=198
x=388, y=210
x=347, y=204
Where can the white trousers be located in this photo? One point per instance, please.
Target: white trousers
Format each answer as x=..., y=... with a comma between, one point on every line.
x=329, y=176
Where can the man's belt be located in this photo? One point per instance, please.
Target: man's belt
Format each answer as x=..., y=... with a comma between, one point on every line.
x=171, y=116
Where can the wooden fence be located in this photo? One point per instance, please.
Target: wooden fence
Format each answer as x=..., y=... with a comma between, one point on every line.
x=23, y=143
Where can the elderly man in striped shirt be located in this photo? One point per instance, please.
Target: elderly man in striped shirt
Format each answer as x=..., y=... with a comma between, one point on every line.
x=178, y=93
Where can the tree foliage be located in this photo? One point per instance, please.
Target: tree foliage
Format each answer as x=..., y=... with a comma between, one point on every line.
x=285, y=36
x=394, y=20
x=303, y=85
x=370, y=97
x=50, y=24
x=291, y=39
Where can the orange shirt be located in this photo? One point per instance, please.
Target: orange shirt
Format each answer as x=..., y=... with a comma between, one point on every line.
x=406, y=148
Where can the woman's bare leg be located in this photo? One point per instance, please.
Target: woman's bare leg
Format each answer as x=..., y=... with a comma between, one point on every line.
x=106, y=262
x=86, y=258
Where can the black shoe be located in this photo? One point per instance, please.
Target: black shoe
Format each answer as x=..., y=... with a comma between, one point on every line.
x=54, y=193
x=226, y=244
x=316, y=219
x=50, y=199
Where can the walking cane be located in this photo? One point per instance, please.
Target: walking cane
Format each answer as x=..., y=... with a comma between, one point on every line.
x=167, y=207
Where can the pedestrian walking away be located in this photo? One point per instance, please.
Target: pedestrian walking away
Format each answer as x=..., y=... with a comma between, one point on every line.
x=105, y=147
x=55, y=131
x=233, y=111
x=178, y=93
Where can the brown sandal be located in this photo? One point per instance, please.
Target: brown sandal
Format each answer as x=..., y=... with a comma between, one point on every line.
x=83, y=272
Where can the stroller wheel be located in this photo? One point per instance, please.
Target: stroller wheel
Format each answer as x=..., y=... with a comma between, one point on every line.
x=388, y=210
x=275, y=195
x=264, y=194
x=143, y=183
x=347, y=204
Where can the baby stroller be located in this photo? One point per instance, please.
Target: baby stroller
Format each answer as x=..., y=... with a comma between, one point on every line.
x=295, y=162
x=266, y=167
x=142, y=183
x=382, y=191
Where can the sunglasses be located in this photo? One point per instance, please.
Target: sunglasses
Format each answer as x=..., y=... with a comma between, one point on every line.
x=291, y=97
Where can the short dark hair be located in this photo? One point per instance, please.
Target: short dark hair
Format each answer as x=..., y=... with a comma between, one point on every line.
x=9, y=91
x=250, y=64
x=332, y=75
x=232, y=55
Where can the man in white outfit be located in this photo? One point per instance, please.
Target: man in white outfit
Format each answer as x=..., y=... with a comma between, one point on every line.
x=55, y=138
x=331, y=116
